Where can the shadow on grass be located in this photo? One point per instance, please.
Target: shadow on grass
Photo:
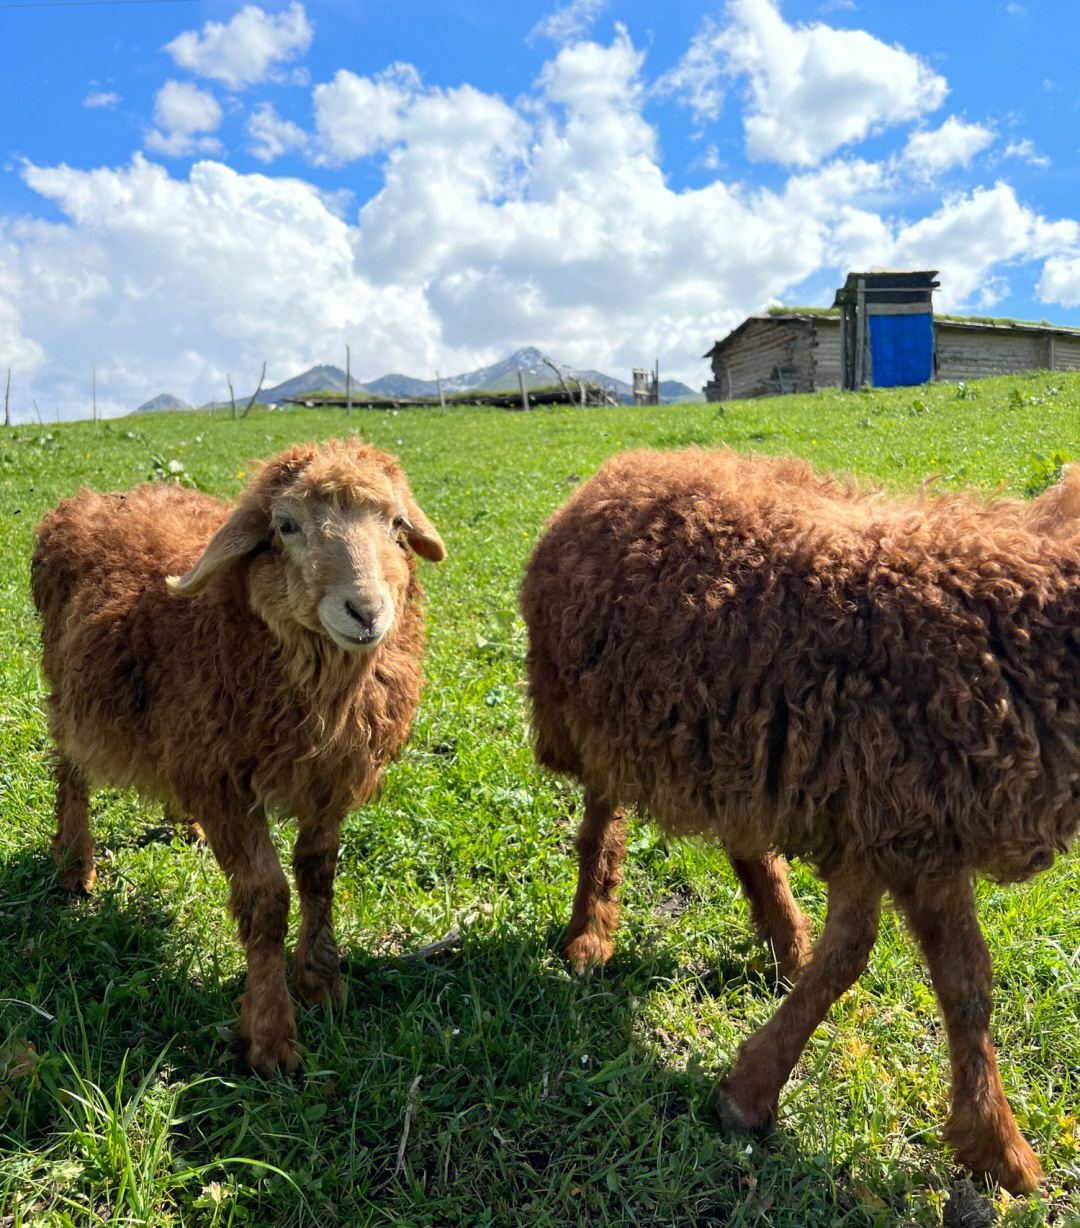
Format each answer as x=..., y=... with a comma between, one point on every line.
x=484, y=1086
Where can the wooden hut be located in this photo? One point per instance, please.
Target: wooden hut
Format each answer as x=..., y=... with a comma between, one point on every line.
x=775, y=352
x=799, y=350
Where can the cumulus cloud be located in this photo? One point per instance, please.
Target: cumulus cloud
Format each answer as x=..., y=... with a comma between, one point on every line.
x=184, y=115
x=549, y=220
x=810, y=89
x=1025, y=150
x=173, y=282
x=975, y=232
x=357, y=116
x=569, y=22
x=272, y=136
x=955, y=143
x=100, y=98
x=1060, y=281
x=245, y=50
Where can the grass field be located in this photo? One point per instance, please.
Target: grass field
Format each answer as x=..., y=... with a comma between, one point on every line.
x=530, y=1097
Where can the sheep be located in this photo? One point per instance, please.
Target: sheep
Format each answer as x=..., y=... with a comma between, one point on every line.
x=236, y=663
x=888, y=688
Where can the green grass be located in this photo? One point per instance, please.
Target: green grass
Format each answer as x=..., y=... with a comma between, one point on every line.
x=536, y=1099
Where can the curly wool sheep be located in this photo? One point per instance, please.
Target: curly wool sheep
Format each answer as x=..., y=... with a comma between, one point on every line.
x=888, y=688
x=236, y=663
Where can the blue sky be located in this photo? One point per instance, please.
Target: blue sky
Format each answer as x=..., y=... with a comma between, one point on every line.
x=188, y=188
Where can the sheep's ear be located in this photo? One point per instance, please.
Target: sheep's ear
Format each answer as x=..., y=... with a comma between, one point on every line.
x=247, y=528
x=422, y=534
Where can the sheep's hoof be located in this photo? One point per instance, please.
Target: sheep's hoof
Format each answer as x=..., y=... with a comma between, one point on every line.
x=267, y=1053
x=754, y=1117
x=1010, y=1162
x=76, y=877
x=589, y=952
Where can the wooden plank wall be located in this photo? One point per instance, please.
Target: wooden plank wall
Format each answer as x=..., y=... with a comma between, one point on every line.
x=826, y=353
x=1067, y=353
x=744, y=367
x=965, y=353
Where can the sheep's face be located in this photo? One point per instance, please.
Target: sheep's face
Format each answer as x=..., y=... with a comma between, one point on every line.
x=327, y=533
x=338, y=569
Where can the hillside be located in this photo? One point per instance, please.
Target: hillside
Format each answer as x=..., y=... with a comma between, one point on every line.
x=120, y=1096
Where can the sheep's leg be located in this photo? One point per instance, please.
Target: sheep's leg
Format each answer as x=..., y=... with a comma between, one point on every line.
x=317, y=965
x=981, y=1128
x=259, y=900
x=73, y=846
x=765, y=1061
x=601, y=847
x=185, y=826
x=778, y=919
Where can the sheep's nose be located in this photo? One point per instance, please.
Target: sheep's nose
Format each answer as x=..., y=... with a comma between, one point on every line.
x=364, y=618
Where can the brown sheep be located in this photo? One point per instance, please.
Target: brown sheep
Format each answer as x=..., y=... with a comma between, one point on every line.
x=234, y=663
x=886, y=687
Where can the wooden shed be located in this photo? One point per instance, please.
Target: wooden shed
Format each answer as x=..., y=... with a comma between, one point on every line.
x=775, y=352
x=798, y=350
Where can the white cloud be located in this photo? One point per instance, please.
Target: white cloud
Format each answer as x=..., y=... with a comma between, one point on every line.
x=357, y=116
x=1015, y=10
x=170, y=283
x=21, y=353
x=184, y=115
x=243, y=51
x=1060, y=281
x=548, y=221
x=272, y=136
x=101, y=98
x=810, y=89
x=569, y=22
x=972, y=234
x=1025, y=150
x=955, y=143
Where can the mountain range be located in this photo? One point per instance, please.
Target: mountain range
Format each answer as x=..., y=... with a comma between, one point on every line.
x=499, y=377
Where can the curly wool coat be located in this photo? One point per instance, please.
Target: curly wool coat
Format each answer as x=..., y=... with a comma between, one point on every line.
x=195, y=700
x=188, y=655
x=756, y=653
x=889, y=688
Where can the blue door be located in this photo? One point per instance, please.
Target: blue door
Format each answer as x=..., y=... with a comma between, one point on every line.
x=901, y=349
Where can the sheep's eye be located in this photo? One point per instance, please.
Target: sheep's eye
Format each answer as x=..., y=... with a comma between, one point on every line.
x=398, y=524
x=285, y=526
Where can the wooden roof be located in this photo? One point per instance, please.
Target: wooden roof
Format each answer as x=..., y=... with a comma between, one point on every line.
x=974, y=323
x=782, y=313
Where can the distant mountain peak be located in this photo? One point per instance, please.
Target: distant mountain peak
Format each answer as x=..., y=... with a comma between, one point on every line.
x=163, y=401
x=501, y=376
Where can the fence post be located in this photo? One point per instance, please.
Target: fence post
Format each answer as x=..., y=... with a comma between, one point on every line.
x=348, y=384
x=521, y=385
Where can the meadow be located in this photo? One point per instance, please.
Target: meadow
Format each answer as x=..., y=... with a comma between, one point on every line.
x=482, y=1084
